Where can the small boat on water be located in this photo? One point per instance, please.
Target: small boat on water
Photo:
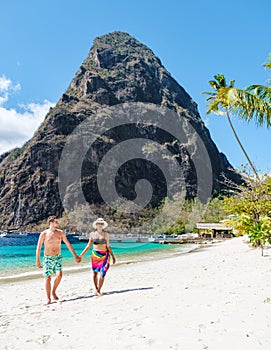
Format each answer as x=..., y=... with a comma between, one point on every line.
x=136, y=238
x=13, y=234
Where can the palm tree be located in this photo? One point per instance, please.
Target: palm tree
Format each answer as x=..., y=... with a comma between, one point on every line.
x=253, y=103
x=223, y=100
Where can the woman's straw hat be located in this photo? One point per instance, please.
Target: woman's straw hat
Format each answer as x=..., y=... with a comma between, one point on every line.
x=100, y=221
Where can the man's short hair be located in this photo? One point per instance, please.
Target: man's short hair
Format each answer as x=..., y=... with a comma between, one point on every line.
x=51, y=218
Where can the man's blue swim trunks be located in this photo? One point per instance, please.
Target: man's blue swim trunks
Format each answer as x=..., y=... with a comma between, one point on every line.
x=51, y=264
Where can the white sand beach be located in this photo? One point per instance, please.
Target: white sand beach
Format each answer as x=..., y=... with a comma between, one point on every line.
x=218, y=297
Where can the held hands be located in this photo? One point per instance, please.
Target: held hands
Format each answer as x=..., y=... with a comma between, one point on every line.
x=38, y=264
x=114, y=259
x=77, y=258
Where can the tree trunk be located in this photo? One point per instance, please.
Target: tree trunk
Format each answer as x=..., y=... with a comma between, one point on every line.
x=244, y=151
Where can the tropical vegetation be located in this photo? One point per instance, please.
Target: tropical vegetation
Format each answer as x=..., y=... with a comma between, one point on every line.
x=251, y=211
x=251, y=103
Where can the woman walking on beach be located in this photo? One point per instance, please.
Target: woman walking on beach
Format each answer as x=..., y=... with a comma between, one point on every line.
x=101, y=252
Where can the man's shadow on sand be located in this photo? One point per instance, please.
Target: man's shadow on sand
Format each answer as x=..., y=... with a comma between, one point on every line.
x=106, y=293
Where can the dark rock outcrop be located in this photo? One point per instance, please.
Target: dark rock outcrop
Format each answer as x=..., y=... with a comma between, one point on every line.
x=118, y=69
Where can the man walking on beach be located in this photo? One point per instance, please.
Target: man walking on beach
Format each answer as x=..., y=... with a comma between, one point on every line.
x=52, y=261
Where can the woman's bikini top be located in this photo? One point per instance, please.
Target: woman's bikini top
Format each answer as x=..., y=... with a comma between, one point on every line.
x=99, y=241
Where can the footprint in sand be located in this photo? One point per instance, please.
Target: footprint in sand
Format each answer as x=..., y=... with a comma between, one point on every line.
x=44, y=339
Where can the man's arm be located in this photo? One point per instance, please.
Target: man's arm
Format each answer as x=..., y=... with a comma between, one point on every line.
x=70, y=247
x=39, y=245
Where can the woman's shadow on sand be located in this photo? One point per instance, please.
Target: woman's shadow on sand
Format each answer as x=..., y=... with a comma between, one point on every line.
x=107, y=293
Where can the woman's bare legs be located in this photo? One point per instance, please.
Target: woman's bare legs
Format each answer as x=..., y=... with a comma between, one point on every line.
x=101, y=282
x=95, y=280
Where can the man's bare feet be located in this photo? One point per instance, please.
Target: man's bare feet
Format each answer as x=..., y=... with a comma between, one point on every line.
x=48, y=302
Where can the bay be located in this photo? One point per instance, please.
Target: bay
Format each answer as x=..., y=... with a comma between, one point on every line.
x=17, y=254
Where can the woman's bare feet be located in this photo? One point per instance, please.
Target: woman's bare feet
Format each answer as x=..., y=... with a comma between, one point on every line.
x=98, y=293
x=55, y=297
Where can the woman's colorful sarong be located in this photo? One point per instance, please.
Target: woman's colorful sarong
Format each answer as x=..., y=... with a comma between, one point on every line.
x=100, y=261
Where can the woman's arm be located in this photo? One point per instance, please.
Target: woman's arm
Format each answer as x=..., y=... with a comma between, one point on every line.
x=88, y=246
x=109, y=248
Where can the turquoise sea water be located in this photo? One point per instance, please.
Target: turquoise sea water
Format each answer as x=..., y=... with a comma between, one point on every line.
x=17, y=255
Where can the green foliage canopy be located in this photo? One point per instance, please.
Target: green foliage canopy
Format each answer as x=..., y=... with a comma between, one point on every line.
x=251, y=210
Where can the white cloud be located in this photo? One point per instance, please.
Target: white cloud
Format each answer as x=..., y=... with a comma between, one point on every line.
x=6, y=88
x=4, y=83
x=18, y=127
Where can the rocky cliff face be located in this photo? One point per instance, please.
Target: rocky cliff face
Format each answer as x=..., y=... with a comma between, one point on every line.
x=118, y=70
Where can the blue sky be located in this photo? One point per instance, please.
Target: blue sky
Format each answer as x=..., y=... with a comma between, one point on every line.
x=43, y=43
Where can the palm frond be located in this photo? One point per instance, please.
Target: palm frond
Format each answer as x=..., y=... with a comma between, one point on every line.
x=215, y=107
x=232, y=83
x=263, y=92
x=213, y=84
x=249, y=106
x=208, y=93
x=268, y=64
x=221, y=80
